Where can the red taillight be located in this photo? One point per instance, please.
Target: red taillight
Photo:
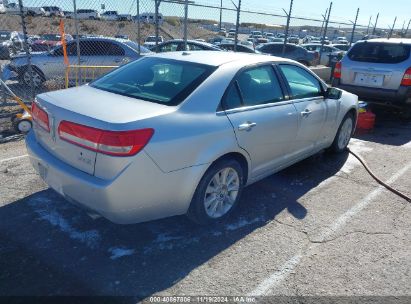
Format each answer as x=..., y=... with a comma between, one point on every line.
x=337, y=70
x=406, y=79
x=118, y=143
x=40, y=116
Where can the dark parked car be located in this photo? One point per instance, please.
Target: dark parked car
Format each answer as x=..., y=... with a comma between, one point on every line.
x=177, y=45
x=10, y=43
x=292, y=51
x=240, y=48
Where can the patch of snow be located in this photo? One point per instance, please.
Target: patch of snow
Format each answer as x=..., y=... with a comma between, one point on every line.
x=242, y=223
x=46, y=210
x=119, y=252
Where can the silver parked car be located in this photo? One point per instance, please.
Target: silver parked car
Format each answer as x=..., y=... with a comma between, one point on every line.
x=292, y=51
x=378, y=71
x=183, y=133
x=94, y=52
x=327, y=51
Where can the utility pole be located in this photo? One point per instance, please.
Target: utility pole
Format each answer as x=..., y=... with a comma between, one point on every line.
x=288, y=25
x=325, y=29
x=237, y=25
x=375, y=24
x=354, y=26
x=392, y=29
x=369, y=23
x=221, y=15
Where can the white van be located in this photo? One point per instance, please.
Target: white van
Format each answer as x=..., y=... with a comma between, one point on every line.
x=151, y=17
x=110, y=15
x=88, y=14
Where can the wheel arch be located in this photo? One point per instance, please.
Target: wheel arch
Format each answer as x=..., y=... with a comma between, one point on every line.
x=240, y=158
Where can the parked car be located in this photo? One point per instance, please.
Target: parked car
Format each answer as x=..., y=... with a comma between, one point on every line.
x=125, y=17
x=14, y=9
x=240, y=48
x=183, y=134
x=378, y=71
x=109, y=15
x=47, y=42
x=254, y=34
x=340, y=40
x=216, y=40
x=327, y=51
x=88, y=14
x=293, y=39
x=292, y=51
x=177, y=45
x=222, y=32
x=94, y=51
x=10, y=43
x=68, y=14
x=150, y=41
x=275, y=39
x=121, y=36
x=259, y=41
x=231, y=33
x=53, y=11
x=342, y=47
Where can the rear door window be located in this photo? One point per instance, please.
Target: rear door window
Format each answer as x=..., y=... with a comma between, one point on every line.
x=259, y=86
x=379, y=52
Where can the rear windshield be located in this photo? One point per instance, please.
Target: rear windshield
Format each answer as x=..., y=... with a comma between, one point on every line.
x=158, y=80
x=379, y=52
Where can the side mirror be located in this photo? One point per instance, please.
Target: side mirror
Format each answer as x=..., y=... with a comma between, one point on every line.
x=333, y=93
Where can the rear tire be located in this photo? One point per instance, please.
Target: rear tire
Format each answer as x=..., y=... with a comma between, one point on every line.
x=217, y=193
x=344, y=133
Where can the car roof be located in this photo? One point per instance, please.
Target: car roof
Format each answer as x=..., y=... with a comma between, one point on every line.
x=218, y=58
x=391, y=40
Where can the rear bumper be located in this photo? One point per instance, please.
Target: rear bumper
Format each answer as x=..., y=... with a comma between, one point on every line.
x=140, y=193
x=400, y=97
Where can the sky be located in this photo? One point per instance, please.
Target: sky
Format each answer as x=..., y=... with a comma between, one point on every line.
x=342, y=10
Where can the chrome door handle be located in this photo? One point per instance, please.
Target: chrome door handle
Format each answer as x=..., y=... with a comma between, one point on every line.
x=246, y=126
x=306, y=113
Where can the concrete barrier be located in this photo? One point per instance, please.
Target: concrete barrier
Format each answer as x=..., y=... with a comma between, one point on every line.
x=322, y=71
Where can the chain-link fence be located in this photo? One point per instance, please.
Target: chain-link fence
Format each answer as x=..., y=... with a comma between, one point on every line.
x=53, y=44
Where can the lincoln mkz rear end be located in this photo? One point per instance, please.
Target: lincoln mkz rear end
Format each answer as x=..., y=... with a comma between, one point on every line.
x=122, y=149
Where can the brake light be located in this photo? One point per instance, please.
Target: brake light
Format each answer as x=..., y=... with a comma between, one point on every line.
x=406, y=79
x=337, y=70
x=117, y=143
x=40, y=116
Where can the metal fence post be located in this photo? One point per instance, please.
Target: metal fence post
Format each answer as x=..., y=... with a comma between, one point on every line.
x=392, y=29
x=221, y=14
x=354, y=26
x=237, y=25
x=406, y=30
x=185, y=23
x=324, y=18
x=288, y=25
x=375, y=24
x=26, y=48
x=157, y=6
x=138, y=27
x=325, y=29
x=369, y=23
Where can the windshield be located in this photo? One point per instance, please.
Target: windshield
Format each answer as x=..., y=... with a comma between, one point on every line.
x=158, y=80
x=379, y=52
x=5, y=36
x=134, y=46
x=51, y=37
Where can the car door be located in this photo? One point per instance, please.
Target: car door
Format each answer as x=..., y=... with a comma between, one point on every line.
x=52, y=65
x=264, y=121
x=306, y=91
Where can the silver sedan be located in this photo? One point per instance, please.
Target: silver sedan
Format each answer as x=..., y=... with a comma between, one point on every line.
x=184, y=133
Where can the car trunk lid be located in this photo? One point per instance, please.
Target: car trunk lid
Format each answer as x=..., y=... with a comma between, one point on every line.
x=94, y=108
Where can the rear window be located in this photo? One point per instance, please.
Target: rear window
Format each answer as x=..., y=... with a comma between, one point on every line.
x=379, y=52
x=158, y=80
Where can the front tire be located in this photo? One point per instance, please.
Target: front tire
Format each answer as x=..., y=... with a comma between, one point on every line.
x=218, y=193
x=344, y=134
x=38, y=78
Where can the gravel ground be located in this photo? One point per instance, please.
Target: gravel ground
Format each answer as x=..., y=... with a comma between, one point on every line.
x=322, y=227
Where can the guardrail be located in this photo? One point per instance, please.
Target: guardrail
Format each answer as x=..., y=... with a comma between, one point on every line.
x=80, y=74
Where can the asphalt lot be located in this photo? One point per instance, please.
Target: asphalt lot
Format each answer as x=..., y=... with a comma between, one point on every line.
x=320, y=227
